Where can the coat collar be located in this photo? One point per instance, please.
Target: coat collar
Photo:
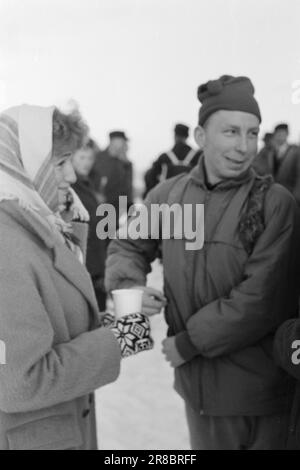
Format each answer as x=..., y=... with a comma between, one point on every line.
x=65, y=262
x=198, y=175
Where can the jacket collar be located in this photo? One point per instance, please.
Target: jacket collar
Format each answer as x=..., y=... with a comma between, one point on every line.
x=65, y=262
x=198, y=176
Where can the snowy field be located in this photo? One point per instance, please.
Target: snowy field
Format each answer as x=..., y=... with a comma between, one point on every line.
x=141, y=410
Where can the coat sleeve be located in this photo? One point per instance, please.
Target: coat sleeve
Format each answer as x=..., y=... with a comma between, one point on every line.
x=287, y=347
x=38, y=372
x=296, y=185
x=266, y=297
x=129, y=260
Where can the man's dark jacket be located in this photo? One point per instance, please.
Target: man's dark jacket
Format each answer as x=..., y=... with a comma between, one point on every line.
x=224, y=305
x=96, y=249
x=117, y=174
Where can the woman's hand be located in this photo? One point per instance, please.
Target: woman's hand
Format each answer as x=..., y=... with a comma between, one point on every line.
x=133, y=333
x=153, y=300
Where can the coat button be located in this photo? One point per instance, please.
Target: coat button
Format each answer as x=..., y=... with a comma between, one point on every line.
x=85, y=413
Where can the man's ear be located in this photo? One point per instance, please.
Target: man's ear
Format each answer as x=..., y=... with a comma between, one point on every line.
x=199, y=136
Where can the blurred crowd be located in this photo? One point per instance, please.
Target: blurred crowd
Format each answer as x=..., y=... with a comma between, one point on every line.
x=280, y=158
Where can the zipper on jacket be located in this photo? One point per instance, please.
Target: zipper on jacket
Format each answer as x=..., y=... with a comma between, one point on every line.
x=202, y=401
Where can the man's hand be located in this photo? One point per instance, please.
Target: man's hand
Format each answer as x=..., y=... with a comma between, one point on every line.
x=153, y=300
x=171, y=352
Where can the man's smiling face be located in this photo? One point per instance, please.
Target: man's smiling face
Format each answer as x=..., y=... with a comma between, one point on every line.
x=229, y=141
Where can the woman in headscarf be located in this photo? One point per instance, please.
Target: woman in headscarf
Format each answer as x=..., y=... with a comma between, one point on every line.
x=56, y=354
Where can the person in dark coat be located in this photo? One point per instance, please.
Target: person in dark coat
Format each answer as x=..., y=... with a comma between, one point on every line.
x=180, y=159
x=112, y=173
x=287, y=161
x=227, y=298
x=264, y=162
x=83, y=161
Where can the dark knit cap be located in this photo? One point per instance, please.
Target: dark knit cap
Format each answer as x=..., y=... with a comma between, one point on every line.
x=282, y=127
x=227, y=93
x=118, y=134
x=181, y=130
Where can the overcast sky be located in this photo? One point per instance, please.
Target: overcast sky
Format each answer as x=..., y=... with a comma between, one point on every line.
x=136, y=64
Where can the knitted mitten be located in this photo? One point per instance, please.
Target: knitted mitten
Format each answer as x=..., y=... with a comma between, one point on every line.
x=133, y=334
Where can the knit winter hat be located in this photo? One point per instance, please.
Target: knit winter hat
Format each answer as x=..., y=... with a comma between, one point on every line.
x=282, y=127
x=228, y=93
x=181, y=130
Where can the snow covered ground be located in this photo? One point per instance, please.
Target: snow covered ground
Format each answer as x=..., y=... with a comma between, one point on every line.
x=141, y=410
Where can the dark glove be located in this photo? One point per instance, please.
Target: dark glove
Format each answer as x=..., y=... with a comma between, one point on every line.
x=133, y=333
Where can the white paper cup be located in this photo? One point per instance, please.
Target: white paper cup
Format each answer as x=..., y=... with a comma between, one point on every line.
x=127, y=301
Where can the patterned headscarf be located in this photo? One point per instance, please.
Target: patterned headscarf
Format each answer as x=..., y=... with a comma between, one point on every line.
x=27, y=174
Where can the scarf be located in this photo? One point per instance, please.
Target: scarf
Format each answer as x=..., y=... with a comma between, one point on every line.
x=27, y=174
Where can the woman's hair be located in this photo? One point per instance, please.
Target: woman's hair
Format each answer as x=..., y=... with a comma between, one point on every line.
x=69, y=133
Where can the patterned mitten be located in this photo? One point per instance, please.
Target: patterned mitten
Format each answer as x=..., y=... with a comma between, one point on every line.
x=133, y=334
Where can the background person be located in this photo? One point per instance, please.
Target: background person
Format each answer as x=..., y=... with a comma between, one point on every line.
x=264, y=162
x=286, y=161
x=181, y=158
x=112, y=174
x=83, y=161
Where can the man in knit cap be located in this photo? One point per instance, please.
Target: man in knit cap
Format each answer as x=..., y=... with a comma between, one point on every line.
x=226, y=300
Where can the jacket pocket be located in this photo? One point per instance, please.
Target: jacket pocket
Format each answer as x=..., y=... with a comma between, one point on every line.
x=51, y=433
